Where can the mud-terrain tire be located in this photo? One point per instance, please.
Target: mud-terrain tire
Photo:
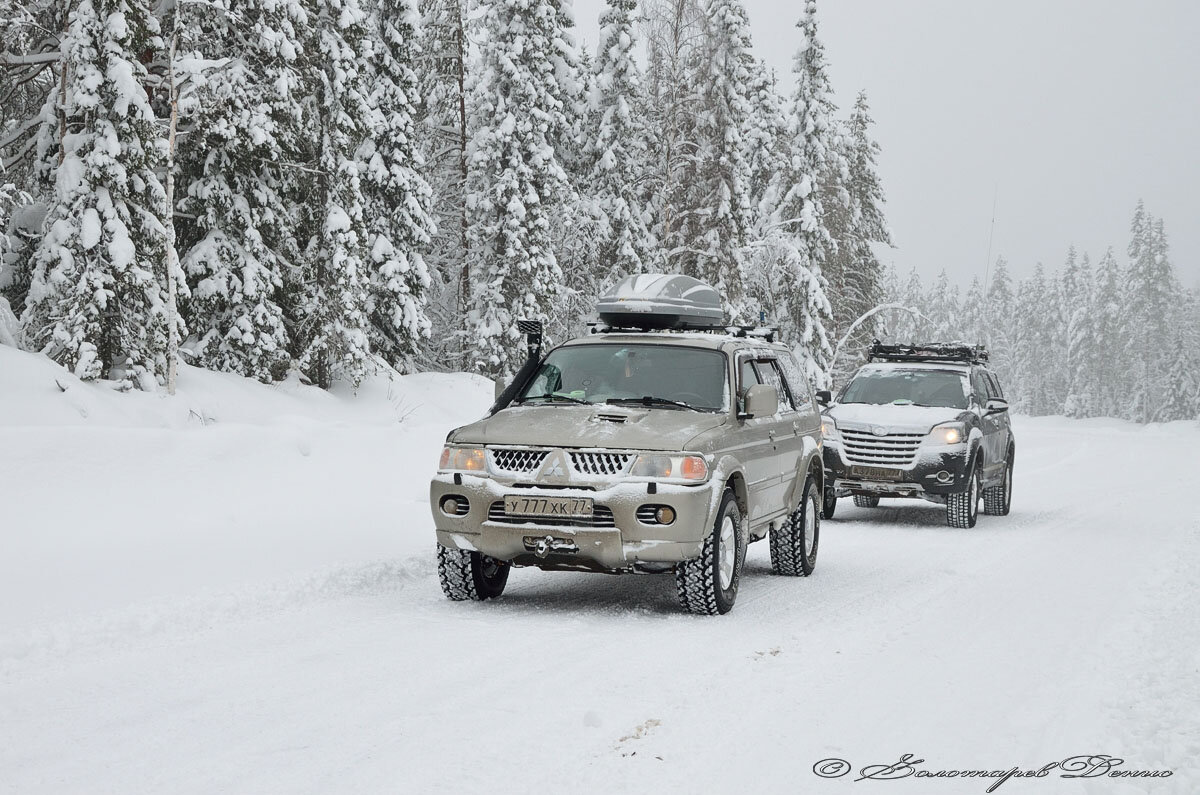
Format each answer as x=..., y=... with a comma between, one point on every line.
x=866, y=501
x=829, y=504
x=469, y=576
x=962, y=509
x=794, y=541
x=998, y=499
x=708, y=585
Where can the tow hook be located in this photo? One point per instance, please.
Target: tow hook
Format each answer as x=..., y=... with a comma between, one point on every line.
x=544, y=546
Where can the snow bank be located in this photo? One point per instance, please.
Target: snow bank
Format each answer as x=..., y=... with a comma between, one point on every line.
x=114, y=499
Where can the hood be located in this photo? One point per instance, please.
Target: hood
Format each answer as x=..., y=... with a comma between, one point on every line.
x=897, y=419
x=619, y=427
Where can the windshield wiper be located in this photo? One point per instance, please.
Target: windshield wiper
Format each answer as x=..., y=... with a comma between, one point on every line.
x=650, y=400
x=553, y=396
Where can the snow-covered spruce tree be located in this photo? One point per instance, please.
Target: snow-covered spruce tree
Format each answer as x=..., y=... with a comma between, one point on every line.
x=1151, y=294
x=793, y=255
x=1033, y=363
x=441, y=68
x=96, y=299
x=972, y=316
x=518, y=115
x=999, y=321
x=856, y=224
x=31, y=130
x=711, y=203
x=1075, y=318
x=243, y=127
x=941, y=305
x=1181, y=385
x=332, y=315
x=399, y=224
x=1109, y=330
x=616, y=149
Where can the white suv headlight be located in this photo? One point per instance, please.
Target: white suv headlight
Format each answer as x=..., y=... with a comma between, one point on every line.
x=949, y=433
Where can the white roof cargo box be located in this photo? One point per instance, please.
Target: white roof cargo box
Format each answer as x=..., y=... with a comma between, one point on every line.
x=662, y=301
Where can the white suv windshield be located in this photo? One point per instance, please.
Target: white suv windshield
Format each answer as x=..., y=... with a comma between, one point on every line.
x=912, y=387
x=658, y=375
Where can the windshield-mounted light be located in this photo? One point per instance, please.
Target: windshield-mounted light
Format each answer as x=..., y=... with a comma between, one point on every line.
x=692, y=468
x=463, y=459
x=949, y=433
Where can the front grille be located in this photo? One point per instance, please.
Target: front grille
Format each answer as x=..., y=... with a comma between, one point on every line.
x=602, y=516
x=600, y=463
x=517, y=460
x=894, y=449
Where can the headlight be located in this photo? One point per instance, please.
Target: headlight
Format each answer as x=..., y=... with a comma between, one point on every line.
x=463, y=459
x=828, y=428
x=949, y=433
x=676, y=467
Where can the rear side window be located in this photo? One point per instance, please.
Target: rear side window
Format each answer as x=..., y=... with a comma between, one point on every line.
x=769, y=373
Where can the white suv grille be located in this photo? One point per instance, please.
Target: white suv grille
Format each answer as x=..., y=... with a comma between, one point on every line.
x=892, y=450
x=521, y=461
x=600, y=463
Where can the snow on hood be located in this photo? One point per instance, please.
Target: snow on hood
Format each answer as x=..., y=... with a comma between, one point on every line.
x=568, y=425
x=899, y=418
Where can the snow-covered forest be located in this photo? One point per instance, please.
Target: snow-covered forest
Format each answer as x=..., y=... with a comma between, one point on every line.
x=1117, y=336
x=324, y=187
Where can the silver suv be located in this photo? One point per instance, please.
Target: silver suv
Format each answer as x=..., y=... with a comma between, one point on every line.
x=662, y=442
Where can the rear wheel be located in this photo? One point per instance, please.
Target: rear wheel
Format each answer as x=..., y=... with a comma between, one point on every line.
x=866, y=500
x=998, y=499
x=708, y=585
x=794, y=541
x=962, y=509
x=469, y=576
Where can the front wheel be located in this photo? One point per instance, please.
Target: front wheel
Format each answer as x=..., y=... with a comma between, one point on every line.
x=708, y=585
x=829, y=504
x=794, y=541
x=962, y=509
x=470, y=576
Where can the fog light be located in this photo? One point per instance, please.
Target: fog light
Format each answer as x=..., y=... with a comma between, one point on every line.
x=450, y=506
x=664, y=515
x=944, y=477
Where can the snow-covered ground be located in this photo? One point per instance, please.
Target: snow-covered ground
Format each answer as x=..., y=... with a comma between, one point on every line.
x=233, y=590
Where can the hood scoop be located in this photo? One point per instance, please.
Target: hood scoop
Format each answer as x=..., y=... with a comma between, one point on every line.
x=616, y=415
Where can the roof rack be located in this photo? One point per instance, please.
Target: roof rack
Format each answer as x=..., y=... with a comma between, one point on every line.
x=765, y=333
x=928, y=352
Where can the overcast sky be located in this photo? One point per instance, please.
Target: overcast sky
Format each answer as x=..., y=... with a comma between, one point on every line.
x=1064, y=111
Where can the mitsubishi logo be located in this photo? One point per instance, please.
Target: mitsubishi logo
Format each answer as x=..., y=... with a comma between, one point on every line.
x=555, y=466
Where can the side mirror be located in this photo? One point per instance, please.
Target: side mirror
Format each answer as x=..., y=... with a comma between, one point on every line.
x=997, y=405
x=761, y=401
x=500, y=387
x=824, y=397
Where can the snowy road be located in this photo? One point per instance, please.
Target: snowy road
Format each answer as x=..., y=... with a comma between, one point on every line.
x=1065, y=629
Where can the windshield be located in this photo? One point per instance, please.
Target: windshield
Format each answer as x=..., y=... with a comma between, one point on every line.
x=943, y=388
x=615, y=373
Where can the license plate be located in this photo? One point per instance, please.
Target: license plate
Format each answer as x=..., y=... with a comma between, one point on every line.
x=548, y=507
x=875, y=473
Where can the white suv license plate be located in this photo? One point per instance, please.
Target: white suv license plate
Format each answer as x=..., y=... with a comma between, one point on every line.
x=875, y=473
x=548, y=507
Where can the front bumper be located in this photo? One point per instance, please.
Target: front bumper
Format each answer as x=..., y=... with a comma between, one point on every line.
x=624, y=543
x=918, y=479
